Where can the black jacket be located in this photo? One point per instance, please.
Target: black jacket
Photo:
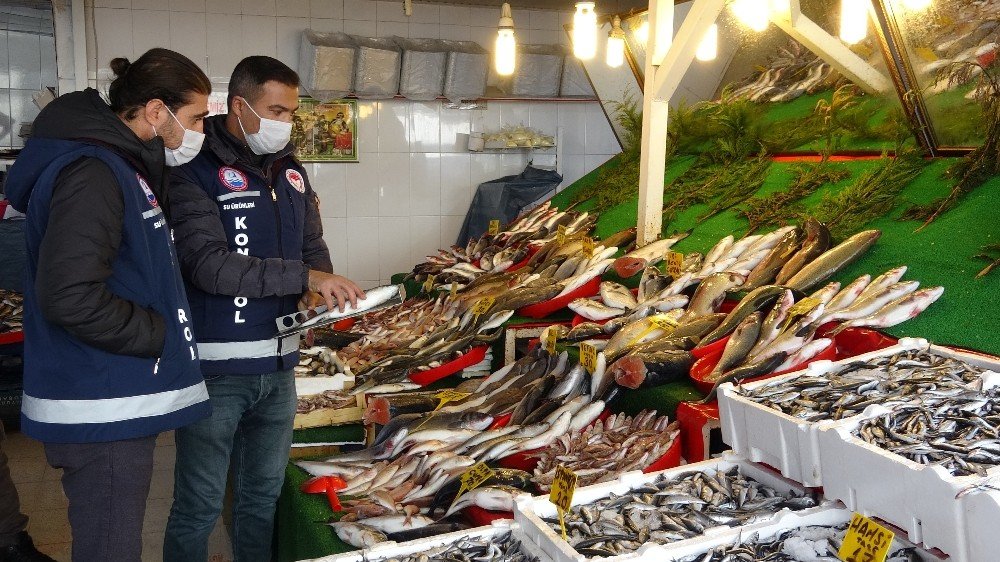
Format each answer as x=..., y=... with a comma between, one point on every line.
x=202, y=246
x=84, y=230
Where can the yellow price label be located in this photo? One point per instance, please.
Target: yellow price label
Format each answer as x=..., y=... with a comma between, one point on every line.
x=588, y=357
x=494, y=227
x=482, y=306
x=473, y=478
x=446, y=396
x=454, y=289
x=561, y=234
x=549, y=337
x=866, y=541
x=429, y=283
x=663, y=322
x=562, y=493
x=588, y=246
x=675, y=264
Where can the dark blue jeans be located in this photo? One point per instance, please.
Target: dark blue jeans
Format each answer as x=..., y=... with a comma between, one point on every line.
x=251, y=431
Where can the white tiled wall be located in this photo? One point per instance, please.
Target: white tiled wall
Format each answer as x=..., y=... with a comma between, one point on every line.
x=27, y=63
x=410, y=192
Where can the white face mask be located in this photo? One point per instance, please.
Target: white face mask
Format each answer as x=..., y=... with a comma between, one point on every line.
x=189, y=148
x=272, y=136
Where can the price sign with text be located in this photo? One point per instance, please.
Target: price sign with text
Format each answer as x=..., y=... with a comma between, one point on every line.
x=429, y=284
x=561, y=234
x=473, y=478
x=866, y=541
x=663, y=322
x=482, y=306
x=562, y=493
x=494, y=227
x=588, y=357
x=588, y=246
x=549, y=337
x=446, y=396
x=675, y=264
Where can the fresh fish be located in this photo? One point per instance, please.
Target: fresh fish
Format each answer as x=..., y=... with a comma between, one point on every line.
x=626, y=266
x=594, y=310
x=711, y=292
x=827, y=292
x=807, y=352
x=490, y=498
x=774, y=321
x=651, y=283
x=739, y=247
x=651, y=369
x=884, y=281
x=583, y=331
x=698, y=327
x=833, y=260
x=759, y=366
x=620, y=239
x=637, y=332
x=358, y=535
x=779, y=255
x=719, y=250
x=869, y=303
x=817, y=241
x=848, y=294
x=653, y=253
x=758, y=299
x=898, y=311
x=739, y=345
x=617, y=295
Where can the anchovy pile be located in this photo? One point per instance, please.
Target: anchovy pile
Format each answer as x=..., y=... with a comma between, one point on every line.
x=959, y=432
x=608, y=448
x=11, y=311
x=849, y=389
x=504, y=548
x=804, y=544
x=330, y=399
x=669, y=510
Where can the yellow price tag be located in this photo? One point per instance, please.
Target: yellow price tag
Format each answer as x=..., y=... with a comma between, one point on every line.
x=663, y=322
x=446, y=396
x=866, y=541
x=429, y=283
x=562, y=493
x=494, y=227
x=549, y=337
x=561, y=234
x=675, y=264
x=588, y=246
x=454, y=289
x=588, y=357
x=482, y=306
x=473, y=478
x=804, y=306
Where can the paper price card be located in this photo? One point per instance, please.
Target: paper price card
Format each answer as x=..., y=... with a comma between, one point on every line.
x=562, y=493
x=549, y=337
x=588, y=357
x=494, y=227
x=675, y=264
x=561, y=234
x=429, y=284
x=473, y=478
x=663, y=322
x=866, y=541
x=482, y=306
x=588, y=246
x=804, y=306
x=446, y=396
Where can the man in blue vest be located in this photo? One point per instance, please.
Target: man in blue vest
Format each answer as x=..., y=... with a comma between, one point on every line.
x=250, y=242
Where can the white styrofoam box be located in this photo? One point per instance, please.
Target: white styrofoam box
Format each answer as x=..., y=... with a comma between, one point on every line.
x=823, y=517
x=982, y=511
x=388, y=550
x=790, y=444
x=530, y=511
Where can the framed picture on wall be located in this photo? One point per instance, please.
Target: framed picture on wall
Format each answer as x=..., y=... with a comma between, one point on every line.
x=326, y=131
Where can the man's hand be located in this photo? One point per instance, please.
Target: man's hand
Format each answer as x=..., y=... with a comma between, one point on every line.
x=310, y=300
x=335, y=288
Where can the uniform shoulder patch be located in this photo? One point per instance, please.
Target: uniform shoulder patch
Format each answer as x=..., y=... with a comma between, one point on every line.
x=233, y=179
x=296, y=179
x=149, y=192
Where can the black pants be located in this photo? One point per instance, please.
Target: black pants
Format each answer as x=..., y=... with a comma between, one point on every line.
x=107, y=485
x=12, y=521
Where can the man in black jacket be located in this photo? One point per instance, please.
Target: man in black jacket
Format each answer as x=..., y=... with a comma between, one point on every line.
x=250, y=242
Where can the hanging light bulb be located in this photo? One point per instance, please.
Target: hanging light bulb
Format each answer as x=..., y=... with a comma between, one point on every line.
x=853, y=20
x=753, y=13
x=916, y=5
x=505, y=54
x=642, y=33
x=781, y=6
x=616, y=44
x=708, y=49
x=585, y=31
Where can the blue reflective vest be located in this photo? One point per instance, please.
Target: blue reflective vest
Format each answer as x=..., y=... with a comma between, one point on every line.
x=263, y=217
x=75, y=393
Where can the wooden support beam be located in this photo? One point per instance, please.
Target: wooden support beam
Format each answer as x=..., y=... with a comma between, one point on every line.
x=653, y=159
x=678, y=59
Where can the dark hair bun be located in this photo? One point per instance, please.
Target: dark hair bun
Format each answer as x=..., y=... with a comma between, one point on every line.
x=120, y=66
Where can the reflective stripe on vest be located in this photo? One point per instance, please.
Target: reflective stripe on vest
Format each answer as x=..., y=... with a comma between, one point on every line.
x=221, y=351
x=237, y=194
x=110, y=410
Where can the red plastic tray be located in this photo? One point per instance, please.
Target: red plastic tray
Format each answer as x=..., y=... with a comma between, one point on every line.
x=714, y=348
x=480, y=517
x=474, y=355
x=703, y=367
x=12, y=337
x=543, y=309
x=855, y=341
x=527, y=462
x=695, y=418
x=345, y=324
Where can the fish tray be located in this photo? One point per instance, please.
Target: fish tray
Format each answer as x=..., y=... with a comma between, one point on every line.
x=324, y=417
x=703, y=367
x=923, y=500
x=982, y=511
x=530, y=511
x=829, y=516
x=545, y=308
x=791, y=444
x=12, y=337
x=472, y=357
x=388, y=550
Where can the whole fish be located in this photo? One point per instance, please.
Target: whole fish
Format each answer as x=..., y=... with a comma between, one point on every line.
x=817, y=241
x=620, y=239
x=758, y=299
x=848, y=294
x=807, y=352
x=698, y=327
x=720, y=250
x=739, y=247
x=759, y=367
x=833, y=260
x=490, y=498
x=739, y=345
x=637, y=332
x=774, y=320
x=711, y=292
x=653, y=252
x=827, y=293
x=884, y=281
x=897, y=311
x=583, y=331
x=617, y=295
x=651, y=369
x=869, y=303
x=358, y=535
x=779, y=255
x=651, y=283
x=594, y=310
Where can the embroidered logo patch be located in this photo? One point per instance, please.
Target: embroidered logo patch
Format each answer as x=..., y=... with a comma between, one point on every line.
x=296, y=179
x=149, y=192
x=233, y=179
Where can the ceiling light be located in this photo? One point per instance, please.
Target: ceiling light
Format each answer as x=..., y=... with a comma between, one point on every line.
x=505, y=54
x=616, y=44
x=708, y=49
x=853, y=20
x=585, y=31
